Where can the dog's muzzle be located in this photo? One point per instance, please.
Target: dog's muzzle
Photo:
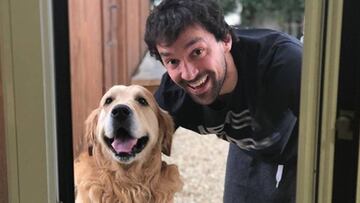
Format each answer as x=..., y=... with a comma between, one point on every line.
x=121, y=113
x=123, y=143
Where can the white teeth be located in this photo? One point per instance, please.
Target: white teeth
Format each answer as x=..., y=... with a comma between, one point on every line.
x=199, y=82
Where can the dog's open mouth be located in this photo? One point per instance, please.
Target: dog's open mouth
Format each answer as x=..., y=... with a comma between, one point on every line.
x=125, y=146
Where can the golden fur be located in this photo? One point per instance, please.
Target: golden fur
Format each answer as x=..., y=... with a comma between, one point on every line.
x=101, y=176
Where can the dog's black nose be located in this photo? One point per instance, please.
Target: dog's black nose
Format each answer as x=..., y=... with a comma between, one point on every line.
x=121, y=112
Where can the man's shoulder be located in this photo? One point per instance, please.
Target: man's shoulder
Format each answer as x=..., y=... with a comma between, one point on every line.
x=257, y=34
x=263, y=40
x=168, y=86
x=259, y=45
x=169, y=95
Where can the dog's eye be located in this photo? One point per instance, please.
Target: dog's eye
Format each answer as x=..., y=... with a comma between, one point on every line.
x=142, y=101
x=108, y=100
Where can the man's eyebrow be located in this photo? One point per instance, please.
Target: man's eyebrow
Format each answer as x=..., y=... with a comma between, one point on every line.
x=190, y=43
x=165, y=54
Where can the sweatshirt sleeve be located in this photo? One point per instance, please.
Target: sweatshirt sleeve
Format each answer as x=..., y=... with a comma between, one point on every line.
x=276, y=115
x=282, y=79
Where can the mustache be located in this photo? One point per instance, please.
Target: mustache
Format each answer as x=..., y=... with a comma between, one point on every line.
x=198, y=77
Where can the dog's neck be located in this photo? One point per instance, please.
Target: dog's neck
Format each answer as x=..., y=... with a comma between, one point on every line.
x=150, y=181
x=133, y=170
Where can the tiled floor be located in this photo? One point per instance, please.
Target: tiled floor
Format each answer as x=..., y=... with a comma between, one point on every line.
x=201, y=160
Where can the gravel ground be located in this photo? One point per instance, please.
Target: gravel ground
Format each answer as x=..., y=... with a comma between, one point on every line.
x=201, y=160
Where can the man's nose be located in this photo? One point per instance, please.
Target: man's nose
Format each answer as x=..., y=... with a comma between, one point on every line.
x=188, y=71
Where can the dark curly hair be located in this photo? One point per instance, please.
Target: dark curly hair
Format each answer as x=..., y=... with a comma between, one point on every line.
x=167, y=20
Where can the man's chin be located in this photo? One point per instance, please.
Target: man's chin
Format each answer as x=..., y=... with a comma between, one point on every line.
x=203, y=99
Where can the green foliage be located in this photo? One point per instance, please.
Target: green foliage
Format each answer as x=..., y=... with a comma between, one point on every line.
x=228, y=5
x=284, y=10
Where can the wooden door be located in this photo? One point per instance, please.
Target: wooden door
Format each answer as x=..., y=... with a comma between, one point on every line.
x=86, y=62
x=123, y=32
x=107, y=47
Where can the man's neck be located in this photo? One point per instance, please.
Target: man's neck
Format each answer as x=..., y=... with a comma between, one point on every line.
x=231, y=77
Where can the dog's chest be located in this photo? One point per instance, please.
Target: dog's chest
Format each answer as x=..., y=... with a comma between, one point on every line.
x=109, y=190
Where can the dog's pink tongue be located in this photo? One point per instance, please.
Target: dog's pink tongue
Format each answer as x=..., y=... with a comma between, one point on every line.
x=123, y=145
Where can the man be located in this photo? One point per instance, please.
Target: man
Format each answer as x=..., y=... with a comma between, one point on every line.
x=242, y=85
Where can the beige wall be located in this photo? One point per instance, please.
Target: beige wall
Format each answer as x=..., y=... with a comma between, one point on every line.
x=3, y=171
x=25, y=58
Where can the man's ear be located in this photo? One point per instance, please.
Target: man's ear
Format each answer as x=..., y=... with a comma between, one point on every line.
x=166, y=128
x=227, y=41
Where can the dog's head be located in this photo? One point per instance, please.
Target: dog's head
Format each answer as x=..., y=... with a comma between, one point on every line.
x=128, y=124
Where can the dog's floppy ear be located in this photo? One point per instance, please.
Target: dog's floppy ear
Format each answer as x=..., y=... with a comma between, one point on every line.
x=91, y=125
x=166, y=127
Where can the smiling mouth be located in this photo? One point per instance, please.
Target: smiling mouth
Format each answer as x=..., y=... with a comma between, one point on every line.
x=199, y=82
x=124, y=146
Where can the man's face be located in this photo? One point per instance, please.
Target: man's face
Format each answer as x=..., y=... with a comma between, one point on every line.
x=196, y=61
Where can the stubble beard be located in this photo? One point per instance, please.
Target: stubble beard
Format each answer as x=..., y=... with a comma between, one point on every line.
x=210, y=96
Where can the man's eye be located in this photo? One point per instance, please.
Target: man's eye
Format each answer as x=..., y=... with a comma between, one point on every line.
x=173, y=62
x=198, y=52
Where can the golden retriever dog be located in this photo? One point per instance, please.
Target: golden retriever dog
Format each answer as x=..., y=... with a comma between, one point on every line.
x=126, y=135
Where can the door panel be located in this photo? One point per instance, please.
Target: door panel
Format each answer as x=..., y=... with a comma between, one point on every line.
x=133, y=36
x=330, y=103
x=106, y=48
x=86, y=62
x=114, y=32
x=347, y=140
x=63, y=87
